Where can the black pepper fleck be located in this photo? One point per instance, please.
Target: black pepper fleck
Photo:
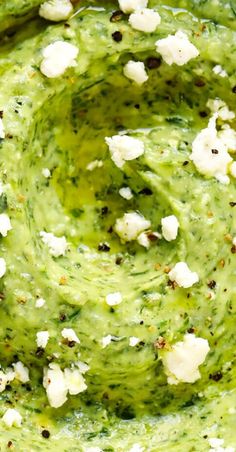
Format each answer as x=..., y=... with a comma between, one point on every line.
x=216, y=376
x=212, y=284
x=145, y=191
x=104, y=247
x=45, y=434
x=117, y=36
x=234, y=89
x=117, y=16
x=199, y=83
x=1, y=114
x=186, y=162
x=215, y=151
x=153, y=62
x=203, y=114
x=232, y=204
x=62, y=317
x=233, y=249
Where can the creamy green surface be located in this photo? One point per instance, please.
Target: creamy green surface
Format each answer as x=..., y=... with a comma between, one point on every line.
x=60, y=124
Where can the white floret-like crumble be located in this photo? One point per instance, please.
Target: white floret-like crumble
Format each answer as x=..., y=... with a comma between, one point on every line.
x=130, y=226
x=221, y=108
x=94, y=164
x=135, y=71
x=42, y=338
x=112, y=299
x=70, y=335
x=21, y=372
x=217, y=445
x=136, y=448
x=133, y=340
x=183, y=276
x=12, y=418
x=128, y=6
x=170, y=226
x=124, y=148
x=5, y=378
x=46, y=172
x=5, y=224
x=218, y=70
x=56, y=10
x=182, y=361
x=57, y=245
x=57, y=58
x=40, y=302
x=176, y=49
x=126, y=193
x=145, y=20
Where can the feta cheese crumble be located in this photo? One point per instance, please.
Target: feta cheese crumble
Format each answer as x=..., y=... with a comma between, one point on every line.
x=123, y=148
x=130, y=226
x=5, y=224
x=55, y=384
x=56, y=10
x=135, y=71
x=128, y=6
x=39, y=303
x=219, y=106
x=176, y=49
x=57, y=245
x=126, y=193
x=170, y=227
x=46, y=172
x=218, y=70
x=136, y=448
x=21, y=372
x=133, y=341
x=57, y=57
x=70, y=335
x=217, y=445
x=112, y=299
x=210, y=152
x=2, y=131
x=2, y=267
x=183, y=276
x=75, y=381
x=12, y=418
x=6, y=378
x=42, y=338
x=182, y=361
x=145, y=20
x=94, y=164
x=106, y=340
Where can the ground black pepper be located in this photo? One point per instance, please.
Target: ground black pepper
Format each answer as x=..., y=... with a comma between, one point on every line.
x=117, y=36
x=45, y=434
x=153, y=62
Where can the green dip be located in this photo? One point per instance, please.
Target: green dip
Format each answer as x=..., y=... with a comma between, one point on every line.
x=60, y=124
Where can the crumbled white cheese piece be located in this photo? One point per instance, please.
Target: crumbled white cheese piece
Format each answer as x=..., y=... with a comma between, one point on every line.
x=133, y=341
x=176, y=49
x=128, y=6
x=46, y=172
x=2, y=131
x=145, y=20
x=233, y=169
x=42, y=338
x=135, y=71
x=136, y=448
x=21, y=372
x=209, y=152
x=227, y=136
x=93, y=449
x=143, y=240
x=83, y=367
x=12, y=418
x=94, y=164
x=5, y=224
x=112, y=299
x=182, y=275
x=75, y=381
x=2, y=267
x=39, y=302
x=57, y=245
x=70, y=335
x=55, y=384
x=130, y=226
x=58, y=57
x=170, y=227
x=106, y=340
x=56, y=10
x=217, y=445
x=123, y=147
x=126, y=193
x=182, y=361
x=218, y=70
x=5, y=378
x=221, y=108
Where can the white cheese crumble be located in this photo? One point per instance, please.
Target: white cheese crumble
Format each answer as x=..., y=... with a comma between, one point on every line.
x=182, y=361
x=126, y=193
x=94, y=164
x=123, y=148
x=75, y=381
x=135, y=71
x=5, y=378
x=145, y=20
x=106, y=340
x=112, y=299
x=46, y=172
x=70, y=335
x=58, y=57
x=136, y=448
x=2, y=131
x=21, y=372
x=227, y=136
x=170, y=227
x=143, y=240
x=182, y=275
x=220, y=107
x=218, y=70
x=176, y=49
x=57, y=245
x=39, y=303
x=12, y=418
x=128, y=6
x=5, y=224
x=42, y=338
x=2, y=267
x=133, y=341
x=130, y=226
x=56, y=10
x=217, y=445
x=210, y=153
x=55, y=384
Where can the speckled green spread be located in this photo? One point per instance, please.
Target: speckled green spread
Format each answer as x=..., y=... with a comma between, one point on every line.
x=60, y=124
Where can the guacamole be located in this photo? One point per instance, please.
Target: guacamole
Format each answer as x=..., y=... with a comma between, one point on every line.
x=118, y=226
